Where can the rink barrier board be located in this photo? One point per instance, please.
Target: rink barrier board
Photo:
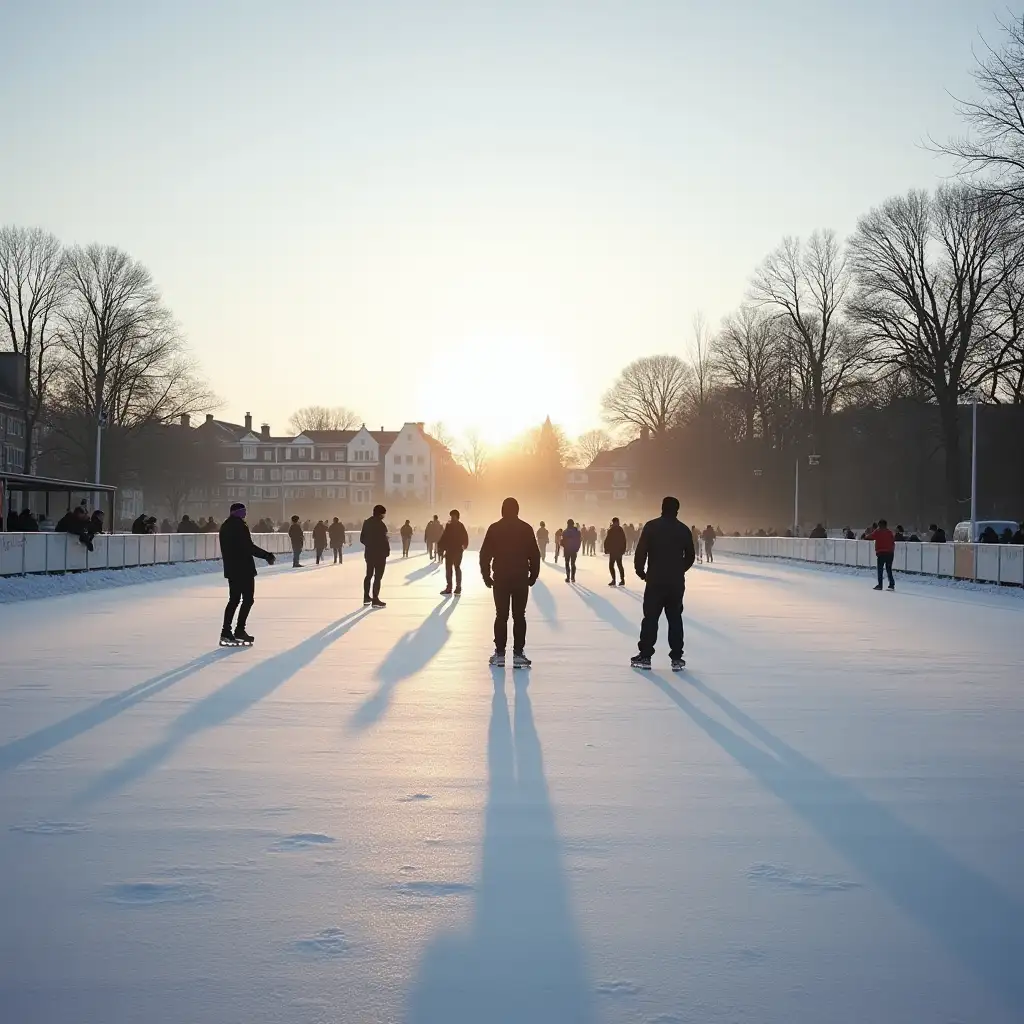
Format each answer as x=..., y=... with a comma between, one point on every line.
x=985, y=563
x=24, y=554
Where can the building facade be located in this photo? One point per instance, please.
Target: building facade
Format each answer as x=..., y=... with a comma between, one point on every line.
x=607, y=486
x=13, y=443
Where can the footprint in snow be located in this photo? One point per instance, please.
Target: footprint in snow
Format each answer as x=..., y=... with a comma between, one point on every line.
x=432, y=890
x=301, y=841
x=51, y=828
x=147, y=894
x=772, y=874
x=618, y=988
x=414, y=798
x=329, y=943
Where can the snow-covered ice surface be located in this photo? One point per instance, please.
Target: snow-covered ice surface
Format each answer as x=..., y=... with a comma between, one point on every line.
x=821, y=821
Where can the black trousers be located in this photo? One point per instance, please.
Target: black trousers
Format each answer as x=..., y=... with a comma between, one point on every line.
x=374, y=572
x=570, y=564
x=885, y=564
x=296, y=551
x=613, y=562
x=658, y=599
x=241, y=590
x=453, y=560
x=337, y=554
x=405, y=547
x=510, y=597
x=709, y=551
x=319, y=554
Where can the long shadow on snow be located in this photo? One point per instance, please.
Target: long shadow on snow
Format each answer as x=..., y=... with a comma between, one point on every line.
x=219, y=707
x=607, y=611
x=414, y=651
x=18, y=751
x=759, y=577
x=426, y=570
x=974, y=919
x=523, y=960
x=545, y=602
x=688, y=620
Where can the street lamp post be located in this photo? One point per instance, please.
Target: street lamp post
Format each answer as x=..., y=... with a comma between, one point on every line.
x=796, y=500
x=101, y=422
x=974, y=469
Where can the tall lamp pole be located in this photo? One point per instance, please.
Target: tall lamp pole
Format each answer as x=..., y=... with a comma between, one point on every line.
x=974, y=469
x=796, y=500
x=101, y=422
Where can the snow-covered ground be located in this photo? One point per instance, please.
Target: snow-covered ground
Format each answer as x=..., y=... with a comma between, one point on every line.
x=822, y=821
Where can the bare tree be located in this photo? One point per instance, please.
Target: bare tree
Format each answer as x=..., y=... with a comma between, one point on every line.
x=744, y=351
x=33, y=284
x=439, y=432
x=323, y=417
x=1004, y=321
x=805, y=286
x=123, y=355
x=474, y=455
x=590, y=444
x=993, y=153
x=650, y=394
x=704, y=366
x=929, y=269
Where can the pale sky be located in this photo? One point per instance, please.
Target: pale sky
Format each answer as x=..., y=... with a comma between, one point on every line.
x=476, y=211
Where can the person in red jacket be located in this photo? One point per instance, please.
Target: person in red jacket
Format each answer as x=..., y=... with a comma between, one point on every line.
x=885, y=548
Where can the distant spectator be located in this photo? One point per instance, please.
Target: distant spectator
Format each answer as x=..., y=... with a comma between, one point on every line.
x=989, y=536
x=319, y=539
x=298, y=539
x=869, y=533
x=1006, y=537
x=913, y=539
x=901, y=536
x=165, y=526
x=151, y=524
x=819, y=532
x=28, y=522
x=848, y=534
x=885, y=549
x=1018, y=537
x=336, y=535
x=12, y=521
x=186, y=525
x=96, y=522
x=140, y=524
x=938, y=534
x=77, y=522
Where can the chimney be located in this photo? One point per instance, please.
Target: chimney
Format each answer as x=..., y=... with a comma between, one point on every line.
x=248, y=422
x=382, y=428
x=265, y=431
x=186, y=420
x=209, y=417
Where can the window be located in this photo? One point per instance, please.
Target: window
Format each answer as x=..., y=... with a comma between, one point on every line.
x=268, y=456
x=257, y=474
x=230, y=492
x=410, y=478
x=214, y=492
x=620, y=495
x=243, y=473
x=275, y=474
x=302, y=453
x=248, y=451
x=341, y=474
x=419, y=460
x=287, y=453
x=229, y=473
x=318, y=492
x=325, y=455
x=339, y=455
x=289, y=474
x=318, y=474
x=272, y=492
x=619, y=476
x=303, y=474
x=256, y=492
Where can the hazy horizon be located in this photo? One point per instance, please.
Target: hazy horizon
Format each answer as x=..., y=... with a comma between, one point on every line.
x=509, y=203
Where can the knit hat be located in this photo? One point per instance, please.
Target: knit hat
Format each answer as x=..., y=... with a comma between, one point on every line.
x=238, y=509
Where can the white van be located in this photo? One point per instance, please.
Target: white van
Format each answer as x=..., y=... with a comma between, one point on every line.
x=962, y=531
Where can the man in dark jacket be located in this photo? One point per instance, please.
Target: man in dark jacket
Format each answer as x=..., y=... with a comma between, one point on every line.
x=615, y=548
x=237, y=551
x=298, y=539
x=572, y=540
x=320, y=539
x=454, y=541
x=431, y=535
x=406, y=534
x=938, y=534
x=336, y=535
x=186, y=525
x=818, y=533
x=376, y=548
x=543, y=537
x=510, y=564
x=664, y=554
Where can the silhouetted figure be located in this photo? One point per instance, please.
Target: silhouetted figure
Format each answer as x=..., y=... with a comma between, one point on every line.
x=664, y=554
x=376, y=548
x=885, y=548
x=698, y=541
x=818, y=533
x=298, y=539
x=237, y=551
x=320, y=539
x=431, y=536
x=901, y=536
x=571, y=541
x=989, y=536
x=615, y=548
x=558, y=543
x=1018, y=537
x=510, y=564
x=848, y=534
x=336, y=535
x=186, y=525
x=96, y=523
x=542, y=542
x=709, y=543
x=406, y=534
x=27, y=522
x=869, y=533
x=454, y=541
x=938, y=534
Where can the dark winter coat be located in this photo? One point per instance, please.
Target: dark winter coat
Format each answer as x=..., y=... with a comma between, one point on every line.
x=509, y=554
x=453, y=538
x=432, y=534
x=406, y=532
x=939, y=536
x=374, y=538
x=297, y=536
x=571, y=540
x=664, y=552
x=818, y=533
x=320, y=536
x=543, y=537
x=237, y=550
x=615, y=541
x=336, y=534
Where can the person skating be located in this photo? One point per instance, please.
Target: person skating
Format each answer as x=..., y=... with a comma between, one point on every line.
x=298, y=539
x=542, y=542
x=709, y=544
x=376, y=548
x=558, y=543
x=431, y=536
x=406, y=535
x=454, y=541
x=238, y=553
x=698, y=542
x=885, y=548
x=571, y=541
x=615, y=548
x=510, y=564
x=319, y=539
x=664, y=554
x=336, y=535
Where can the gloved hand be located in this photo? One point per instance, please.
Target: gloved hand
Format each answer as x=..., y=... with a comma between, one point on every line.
x=488, y=582
x=533, y=580
x=642, y=575
x=272, y=559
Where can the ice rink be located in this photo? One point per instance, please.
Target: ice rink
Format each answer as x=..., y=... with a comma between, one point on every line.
x=822, y=820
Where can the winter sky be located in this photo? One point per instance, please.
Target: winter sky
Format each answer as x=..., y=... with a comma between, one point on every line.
x=469, y=211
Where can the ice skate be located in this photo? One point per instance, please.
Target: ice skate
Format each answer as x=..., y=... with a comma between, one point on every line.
x=447, y=592
x=678, y=664
x=458, y=591
x=243, y=638
x=377, y=603
x=879, y=587
x=497, y=659
x=520, y=660
x=613, y=584
x=227, y=638
x=640, y=661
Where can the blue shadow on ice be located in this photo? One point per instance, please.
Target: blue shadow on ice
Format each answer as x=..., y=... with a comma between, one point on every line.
x=545, y=602
x=219, y=707
x=424, y=570
x=523, y=960
x=413, y=652
x=42, y=740
x=972, y=917
x=607, y=611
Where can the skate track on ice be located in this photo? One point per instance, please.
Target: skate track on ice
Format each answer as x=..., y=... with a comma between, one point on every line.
x=822, y=821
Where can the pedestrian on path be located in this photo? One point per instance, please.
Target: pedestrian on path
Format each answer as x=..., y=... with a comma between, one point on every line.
x=336, y=535
x=406, y=534
x=298, y=539
x=237, y=551
x=571, y=541
x=885, y=549
x=542, y=541
x=320, y=539
x=709, y=544
x=615, y=548
x=454, y=541
x=376, y=548
x=664, y=554
x=558, y=543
